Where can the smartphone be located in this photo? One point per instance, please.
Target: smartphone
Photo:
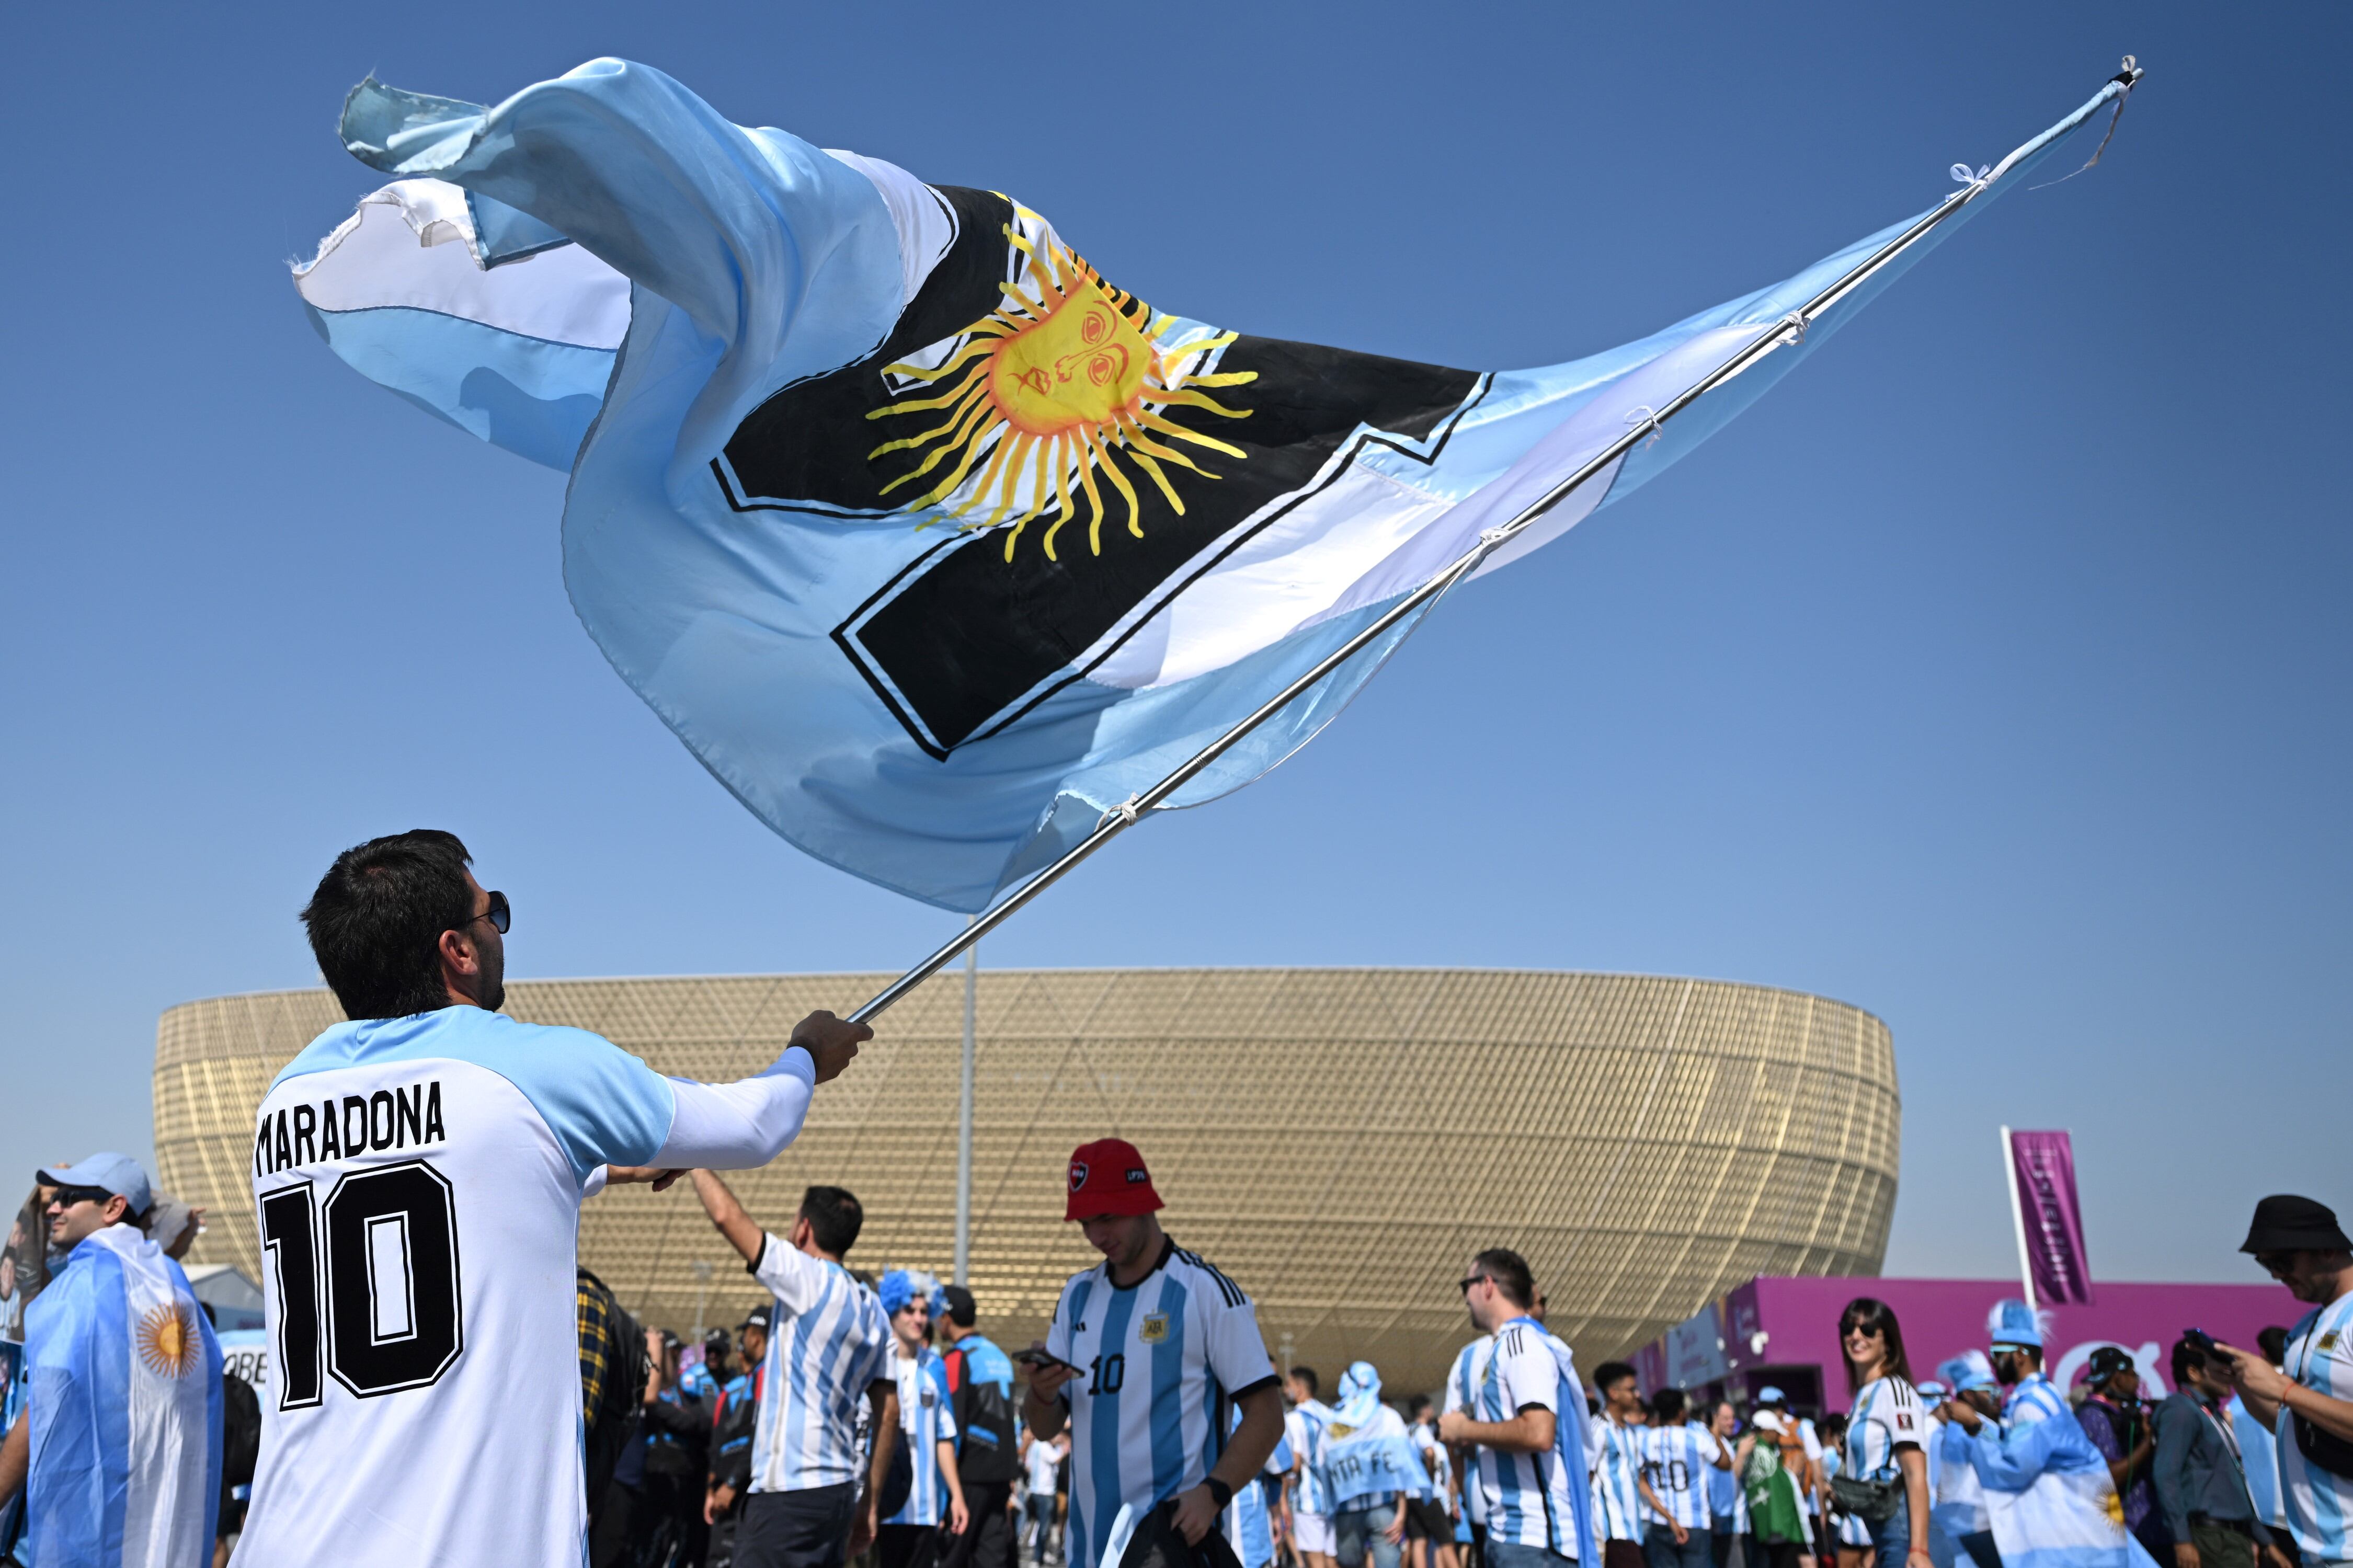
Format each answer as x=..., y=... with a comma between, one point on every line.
x=1044, y=1358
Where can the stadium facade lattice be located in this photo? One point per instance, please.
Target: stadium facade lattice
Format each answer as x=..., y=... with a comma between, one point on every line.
x=1339, y=1141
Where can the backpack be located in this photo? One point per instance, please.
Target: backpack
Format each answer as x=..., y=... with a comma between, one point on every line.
x=986, y=1446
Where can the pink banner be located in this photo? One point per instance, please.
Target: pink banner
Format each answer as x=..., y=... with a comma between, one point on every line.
x=2043, y=1172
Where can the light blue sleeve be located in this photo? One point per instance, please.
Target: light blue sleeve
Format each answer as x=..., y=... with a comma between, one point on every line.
x=604, y=1106
x=738, y=229
x=2023, y=1453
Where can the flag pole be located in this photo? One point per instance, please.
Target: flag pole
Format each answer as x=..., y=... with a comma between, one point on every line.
x=1789, y=330
x=2018, y=1218
x=963, y=1120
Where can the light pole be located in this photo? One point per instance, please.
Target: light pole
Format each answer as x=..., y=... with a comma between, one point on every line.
x=701, y=1294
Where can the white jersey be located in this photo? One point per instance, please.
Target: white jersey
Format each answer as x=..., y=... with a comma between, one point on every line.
x=2319, y=1505
x=1470, y=1366
x=1677, y=1461
x=419, y=1183
x=1886, y=1418
x=1043, y=1462
x=925, y=1421
x=1527, y=1498
x=1162, y=1362
x=829, y=1344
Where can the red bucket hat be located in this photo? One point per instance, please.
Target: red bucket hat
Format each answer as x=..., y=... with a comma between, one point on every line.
x=1107, y=1177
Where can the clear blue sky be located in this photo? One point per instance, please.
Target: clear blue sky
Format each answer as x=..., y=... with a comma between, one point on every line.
x=1992, y=674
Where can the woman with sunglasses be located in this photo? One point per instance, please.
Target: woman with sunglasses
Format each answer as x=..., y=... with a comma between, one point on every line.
x=1883, y=1474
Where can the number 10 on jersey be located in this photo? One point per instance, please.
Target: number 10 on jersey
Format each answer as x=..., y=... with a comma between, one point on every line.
x=367, y=1282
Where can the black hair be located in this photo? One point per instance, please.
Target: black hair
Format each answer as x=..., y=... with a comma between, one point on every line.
x=1416, y=1405
x=2273, y=1343
x=1874, y=1316
x=834, y=1217
x=963, y=1311
x=1833, y=1427
x=1667, y=1404
x=1609, y=1374
x=2185, y=1356
x=1307, y=1375
x=1510, y=1272
x=377, y=918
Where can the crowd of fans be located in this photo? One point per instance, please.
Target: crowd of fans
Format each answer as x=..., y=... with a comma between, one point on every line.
x=415, y=1418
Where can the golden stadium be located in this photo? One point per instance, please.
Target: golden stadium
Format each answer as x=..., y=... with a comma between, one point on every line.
x=1338, y=1140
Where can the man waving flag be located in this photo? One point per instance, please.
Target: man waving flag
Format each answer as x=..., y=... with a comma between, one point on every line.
x=933, y=542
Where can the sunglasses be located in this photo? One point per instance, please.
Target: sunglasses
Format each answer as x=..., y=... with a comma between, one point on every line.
x=1473, y=1279
x=499, y=914
x=68, y=1196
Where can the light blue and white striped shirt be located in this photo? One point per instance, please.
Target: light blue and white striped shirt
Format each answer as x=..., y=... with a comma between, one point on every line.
x=1886, y=1418
x=2260, y=1451
x=1527, y=1499
x=1460, y=1382
x=925, y=1421
x=1304, y=1428
x=2320, y=1504
x=1677, y=1461
x=829, y=1344
x=1618, y=1500
x=1163, y=1360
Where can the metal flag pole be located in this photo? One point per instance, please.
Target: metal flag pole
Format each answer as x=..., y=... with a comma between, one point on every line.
x=2017, y=1219
x=1787, y=331
x=963, y=1120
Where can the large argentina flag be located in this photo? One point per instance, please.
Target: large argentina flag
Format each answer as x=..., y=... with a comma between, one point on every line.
x=126, y=1411
x=932, y=544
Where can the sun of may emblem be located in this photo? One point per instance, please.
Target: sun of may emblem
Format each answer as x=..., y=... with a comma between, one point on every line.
x=1070, y=382
x=167, y=1342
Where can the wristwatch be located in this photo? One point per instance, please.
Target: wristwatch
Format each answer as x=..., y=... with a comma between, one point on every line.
x=1218, y=1489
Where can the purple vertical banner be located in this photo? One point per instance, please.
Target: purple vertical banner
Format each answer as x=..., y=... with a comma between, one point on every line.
x=2049, y=1218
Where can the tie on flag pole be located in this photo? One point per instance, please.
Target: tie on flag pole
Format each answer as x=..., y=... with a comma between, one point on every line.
x=948, y=557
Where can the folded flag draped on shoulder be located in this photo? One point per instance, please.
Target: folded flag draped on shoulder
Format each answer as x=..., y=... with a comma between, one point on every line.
x=126, y=1410
x=932, y=542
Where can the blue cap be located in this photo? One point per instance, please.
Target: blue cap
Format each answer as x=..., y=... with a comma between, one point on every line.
x=116, y=1173
x=1931, y=1389
x=1769, y=1395
x=2013, y=1322
x=1969, y=1370
x=897, y=1290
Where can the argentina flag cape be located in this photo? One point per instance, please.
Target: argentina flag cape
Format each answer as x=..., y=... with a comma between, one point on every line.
x=126, y=1411
x=930, y=540
x=2052, y=1502
x=1366, y=1449
x=1571, y=1446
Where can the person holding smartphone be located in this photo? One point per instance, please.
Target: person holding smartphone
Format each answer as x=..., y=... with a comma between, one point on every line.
x=1148, y=1339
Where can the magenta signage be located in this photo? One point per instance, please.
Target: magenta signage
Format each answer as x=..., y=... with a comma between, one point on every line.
x=1760, y=1331
x=2050, y=1222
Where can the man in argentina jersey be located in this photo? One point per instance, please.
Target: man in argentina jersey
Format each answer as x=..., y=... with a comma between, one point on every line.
x=420, y=1172
x=1470, y=1366
x=828, y=1382
x=911, y=1537
x=1514, y=1414
x=1304, y=1425
x=1677, y=1458
x=1150, y=1349
x=1620, y=1495
x=1247, y=1524
x=2309, y=1401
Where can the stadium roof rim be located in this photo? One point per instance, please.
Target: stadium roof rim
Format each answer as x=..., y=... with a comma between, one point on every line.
x=1123, y=969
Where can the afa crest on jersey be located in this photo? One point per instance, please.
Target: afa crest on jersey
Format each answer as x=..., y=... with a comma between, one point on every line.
x=1154, y=1330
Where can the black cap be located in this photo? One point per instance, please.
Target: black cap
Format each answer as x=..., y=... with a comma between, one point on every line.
x=963, y=1311
x=2107, y=1361
x=2286, y=1222
x=757, y=1318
